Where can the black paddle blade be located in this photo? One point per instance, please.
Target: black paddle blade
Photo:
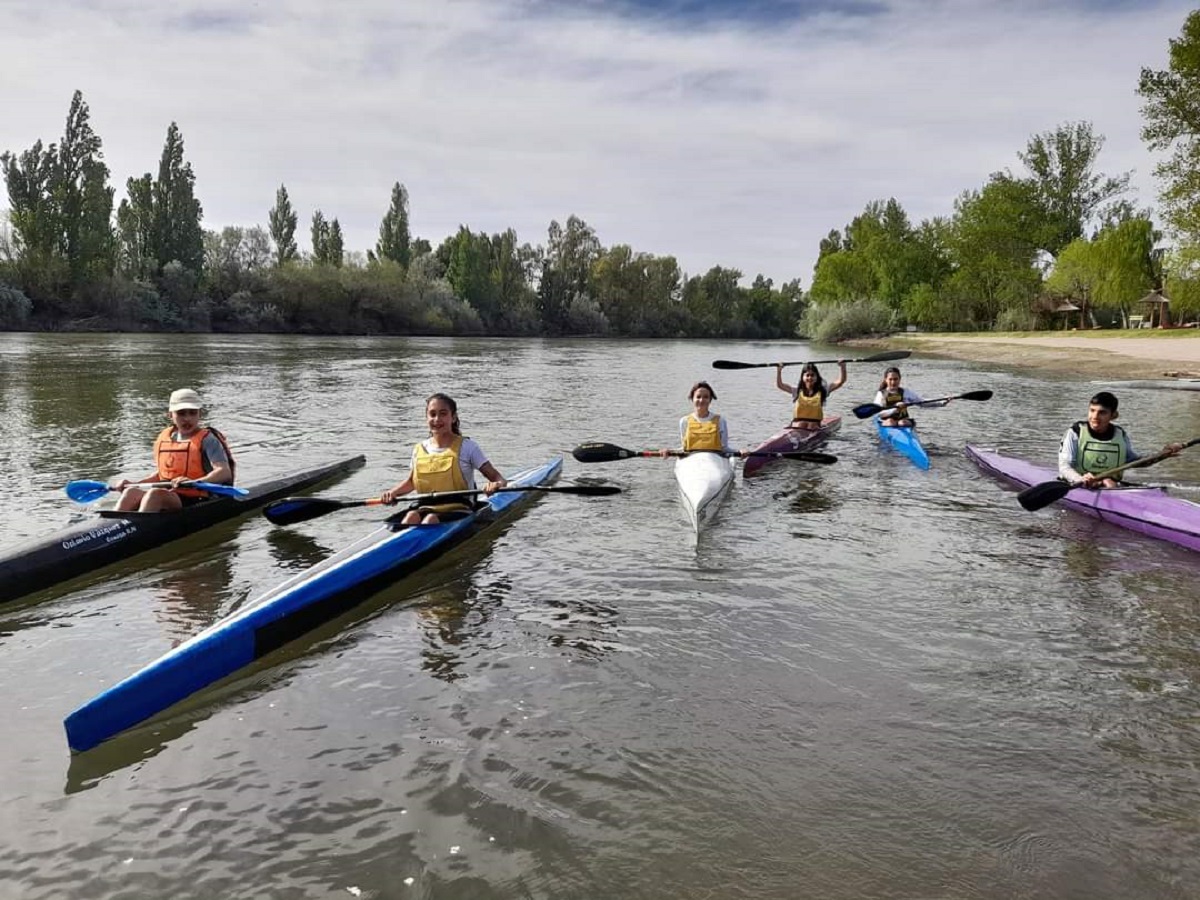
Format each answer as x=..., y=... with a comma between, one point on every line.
x=866, y=410
x=292, y=510
x=1042, y=495
x=887, y=356
x=597, y=451
x=731, y=364
x=821, y=459
x=975, y=395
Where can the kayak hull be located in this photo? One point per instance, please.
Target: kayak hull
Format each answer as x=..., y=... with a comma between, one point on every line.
x=1146, y=510
x=791, y=440
x=300, y=604
x=110, y=537
x=903, y=440
x=704, y=481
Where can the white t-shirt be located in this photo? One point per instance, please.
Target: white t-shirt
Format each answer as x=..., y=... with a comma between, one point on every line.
x=470, y=458
x=721, y=427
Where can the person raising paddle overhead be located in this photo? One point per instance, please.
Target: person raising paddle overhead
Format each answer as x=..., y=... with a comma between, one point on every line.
x=445, y=461
x=1097, y=445
x=184, y=451
x=809, y=394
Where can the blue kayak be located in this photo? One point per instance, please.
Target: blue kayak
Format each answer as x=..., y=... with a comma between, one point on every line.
x=299, y=605
x=903, y=440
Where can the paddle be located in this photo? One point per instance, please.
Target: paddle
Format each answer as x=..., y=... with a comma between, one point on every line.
x=291, y=510
x=601, y=452
x=90, y=491
x=866, y=410
x=878, y=357
x=1040, y=495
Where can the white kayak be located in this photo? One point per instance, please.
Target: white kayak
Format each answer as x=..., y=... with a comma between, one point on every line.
x=704, y=480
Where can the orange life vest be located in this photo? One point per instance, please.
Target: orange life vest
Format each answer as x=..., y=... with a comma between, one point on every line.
x=809, y=407
x=186, y=458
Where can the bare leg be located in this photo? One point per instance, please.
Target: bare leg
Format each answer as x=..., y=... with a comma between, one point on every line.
x=159, y=500
x=131, y=499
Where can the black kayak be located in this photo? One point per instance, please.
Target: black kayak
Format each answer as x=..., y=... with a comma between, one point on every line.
x=110, y=536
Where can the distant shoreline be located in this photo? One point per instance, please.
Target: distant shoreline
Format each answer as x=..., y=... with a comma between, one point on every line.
x=1105, y=354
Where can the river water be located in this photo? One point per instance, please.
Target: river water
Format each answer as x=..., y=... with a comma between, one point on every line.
x=864, y=681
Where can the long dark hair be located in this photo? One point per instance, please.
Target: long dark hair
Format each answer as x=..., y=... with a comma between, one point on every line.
x=819, y=383
x=449, y=401
x=702, y=384
x=887, y=372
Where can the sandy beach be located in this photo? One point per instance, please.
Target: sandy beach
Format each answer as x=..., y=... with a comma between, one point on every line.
x=1104, y=354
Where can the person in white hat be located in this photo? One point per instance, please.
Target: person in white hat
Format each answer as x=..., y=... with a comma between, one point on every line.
x=184, y=451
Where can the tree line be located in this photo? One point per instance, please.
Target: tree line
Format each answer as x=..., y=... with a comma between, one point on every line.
x=1011, y=255
x=67, y=260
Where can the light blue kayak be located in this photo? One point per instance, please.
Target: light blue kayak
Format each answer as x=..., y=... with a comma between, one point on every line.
x=284, y=613
x=904, y=441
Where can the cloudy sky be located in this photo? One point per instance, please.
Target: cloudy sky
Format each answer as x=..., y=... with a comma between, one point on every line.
x=724, y=132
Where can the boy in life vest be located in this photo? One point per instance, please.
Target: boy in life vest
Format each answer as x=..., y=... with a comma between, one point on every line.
x=1092, y=447
x=184, y=451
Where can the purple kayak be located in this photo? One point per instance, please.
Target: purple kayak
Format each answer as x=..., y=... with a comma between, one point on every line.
x=1147, y=510
x=791, y=440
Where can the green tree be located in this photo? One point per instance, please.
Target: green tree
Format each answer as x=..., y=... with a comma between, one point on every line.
x=135, y=229
x=178, y=235
x=993, y=243
x=282, y=223
x=394, y=243
x=1062, y=164
x=335, y=248
x=61, y=208
x=1172, y=113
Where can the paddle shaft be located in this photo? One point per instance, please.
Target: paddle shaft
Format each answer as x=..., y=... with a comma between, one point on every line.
x=878, y=357
x=866, y=410
x=603, y=452
x=293, y=510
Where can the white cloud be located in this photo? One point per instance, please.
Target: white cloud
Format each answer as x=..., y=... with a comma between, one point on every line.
x=723, y=144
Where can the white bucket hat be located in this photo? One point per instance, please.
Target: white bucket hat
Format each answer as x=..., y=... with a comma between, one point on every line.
x=185, y=398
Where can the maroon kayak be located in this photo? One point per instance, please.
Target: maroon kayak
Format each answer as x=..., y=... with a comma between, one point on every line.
x=1146, y=510
x=789, y=441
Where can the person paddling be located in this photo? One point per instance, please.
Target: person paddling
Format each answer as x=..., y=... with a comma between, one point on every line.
x=1098, y=444
x=445, y=461
x=184, y=451
x=702, y=429
x=891, y=395
x=809, y=394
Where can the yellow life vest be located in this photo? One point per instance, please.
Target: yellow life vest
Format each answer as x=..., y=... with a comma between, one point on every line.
x=437, y=472
x=809, y=408
x=703, y=435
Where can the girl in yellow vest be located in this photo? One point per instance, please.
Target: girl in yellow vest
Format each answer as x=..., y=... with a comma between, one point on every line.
x=184, y=451
x=445, y=461
x=809, y=394
x=702, y=429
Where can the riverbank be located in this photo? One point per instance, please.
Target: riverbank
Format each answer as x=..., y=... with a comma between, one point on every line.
x=1105, y=354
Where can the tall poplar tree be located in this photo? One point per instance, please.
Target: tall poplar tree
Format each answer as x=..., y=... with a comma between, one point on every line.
x=178, y=235
x=394, y=239
x=282, y=221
